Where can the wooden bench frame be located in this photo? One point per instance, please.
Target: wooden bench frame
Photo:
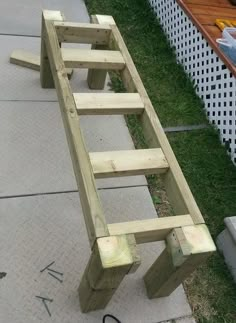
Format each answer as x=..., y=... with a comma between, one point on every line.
x=114, y=246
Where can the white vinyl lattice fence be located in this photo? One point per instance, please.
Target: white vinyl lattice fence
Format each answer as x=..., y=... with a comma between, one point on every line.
x=215, y=84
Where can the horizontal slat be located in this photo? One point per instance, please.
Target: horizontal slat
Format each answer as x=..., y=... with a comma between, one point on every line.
x=99, y=59
x=152, y=229
x=108, y=103
x=128, y=163
x=82, y=33
x=30, y=60
x=178, y=191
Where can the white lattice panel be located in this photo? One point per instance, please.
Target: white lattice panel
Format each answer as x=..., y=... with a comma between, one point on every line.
x=215, y=84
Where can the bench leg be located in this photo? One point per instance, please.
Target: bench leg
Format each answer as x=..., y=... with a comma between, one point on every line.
x=97, y=78
x=112, y=258
x=46, y=77
x=186, y=248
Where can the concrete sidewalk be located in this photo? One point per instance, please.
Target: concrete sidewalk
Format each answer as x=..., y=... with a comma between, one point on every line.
x=40, y=214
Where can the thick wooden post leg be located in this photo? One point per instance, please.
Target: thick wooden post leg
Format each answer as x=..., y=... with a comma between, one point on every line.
x=112, y=258
x=46, y=77
x=186, y=248
x=96, y=78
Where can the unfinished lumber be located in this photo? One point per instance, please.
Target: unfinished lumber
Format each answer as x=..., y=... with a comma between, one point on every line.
x=83, y=33
x=27, y=59
x=96, y=78
x=176, y=186
x=186, y=248
x=91, y=205
x=128, y=163
x=112, y=258
x=108, y=103
x=46, y=77
x=87, y=58
x=114, y=249
x=150, y=230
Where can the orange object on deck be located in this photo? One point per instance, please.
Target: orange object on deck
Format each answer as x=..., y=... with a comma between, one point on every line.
x=223, y=23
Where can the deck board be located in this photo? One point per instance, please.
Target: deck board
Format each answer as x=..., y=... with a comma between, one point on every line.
x=203, y=15
x=209, y=19
x=212, y=3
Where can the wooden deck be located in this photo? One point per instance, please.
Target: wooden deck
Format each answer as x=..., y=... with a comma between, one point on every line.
x=203, y=14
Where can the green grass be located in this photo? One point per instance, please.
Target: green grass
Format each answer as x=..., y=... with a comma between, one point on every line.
x=156, y=63
x=210, y=173
x=212, y=179
x=208, y=169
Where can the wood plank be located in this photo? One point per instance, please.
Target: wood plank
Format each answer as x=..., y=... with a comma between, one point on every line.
x=186, y=249
x=84, y=33
x=150, y=230
x=209, y=10
x=105, y=20
x=211, y=3
x=210, y=19
x=209, y=31
x=214, y=32
x=91, y=205
x=46, y=77
x=27, y=59
x=91, y=299
x=112, y=259
x=99, y=59
x=178, y=192
x=108, y=103
x=116, y=254
x=96, y=79
x=128, y=163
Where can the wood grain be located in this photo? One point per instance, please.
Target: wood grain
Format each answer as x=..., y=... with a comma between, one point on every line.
x=150, y=230
x=108, y=103
x=186, y=248
x=27, y=59
x=91, y=205
x=177, y=188
x=83, y=33
x=128, y=163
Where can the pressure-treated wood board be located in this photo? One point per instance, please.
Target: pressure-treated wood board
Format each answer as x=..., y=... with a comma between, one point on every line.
x=26, y=59
x=30, y=60
x=93, y=213
x=128, y=162
x=150, y=230
x=82, y=33
x=177, y=188
x=108, y=103
x=99, y=59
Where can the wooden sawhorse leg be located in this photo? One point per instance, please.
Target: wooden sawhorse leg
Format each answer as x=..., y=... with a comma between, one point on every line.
x=97, y=78
x=186, y=248
x=112, y=258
